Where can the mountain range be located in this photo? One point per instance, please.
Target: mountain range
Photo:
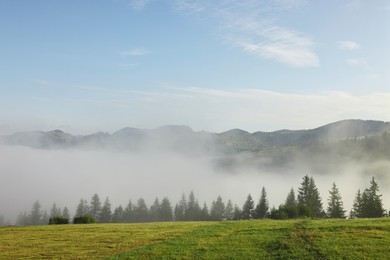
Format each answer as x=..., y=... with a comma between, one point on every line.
x=184, y=139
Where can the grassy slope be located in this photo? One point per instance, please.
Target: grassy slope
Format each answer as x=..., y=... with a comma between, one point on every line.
x=289, y=239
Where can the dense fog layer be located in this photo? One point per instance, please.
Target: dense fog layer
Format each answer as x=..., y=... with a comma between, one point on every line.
x=65, y=176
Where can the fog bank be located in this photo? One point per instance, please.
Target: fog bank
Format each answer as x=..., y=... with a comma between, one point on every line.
x=65, y=176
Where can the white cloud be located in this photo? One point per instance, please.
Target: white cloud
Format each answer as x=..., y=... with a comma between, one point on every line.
x=356, y=62
x=248, y=26
x=349, y=45
x=134, y=52
x=139, y=4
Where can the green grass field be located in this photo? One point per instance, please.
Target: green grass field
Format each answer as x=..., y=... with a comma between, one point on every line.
x=255, y=239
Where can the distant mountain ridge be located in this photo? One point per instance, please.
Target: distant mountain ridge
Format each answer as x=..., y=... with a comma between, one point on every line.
x=184, y=139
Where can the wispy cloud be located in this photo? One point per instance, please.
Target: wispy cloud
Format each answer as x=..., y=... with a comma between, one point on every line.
x=139, y=4
x=134, y=52
x=356, y=62
x=248, y=26
x=349, y=45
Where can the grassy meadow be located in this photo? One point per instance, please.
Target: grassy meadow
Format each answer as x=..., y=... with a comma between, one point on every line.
x=254, y=239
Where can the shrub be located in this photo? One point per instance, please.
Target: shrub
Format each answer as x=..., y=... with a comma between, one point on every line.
x=84, y=219
x=58, y=220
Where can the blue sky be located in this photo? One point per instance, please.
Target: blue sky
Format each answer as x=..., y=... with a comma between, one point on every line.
x=91, y=65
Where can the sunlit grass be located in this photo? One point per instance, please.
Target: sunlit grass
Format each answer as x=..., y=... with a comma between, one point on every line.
x=287, y=239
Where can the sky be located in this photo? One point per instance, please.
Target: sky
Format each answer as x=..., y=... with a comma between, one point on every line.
x=101, y=65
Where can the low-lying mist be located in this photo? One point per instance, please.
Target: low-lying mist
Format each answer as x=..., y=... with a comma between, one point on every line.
x=64, y=176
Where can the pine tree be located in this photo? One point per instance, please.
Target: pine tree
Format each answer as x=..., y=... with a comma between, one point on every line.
x=262, y=206
x=181, y=208
x=290, y=206
x=192, y=211
x=335, y=204
x=35, y=216
x=165, y=210
x=356, y=211
x=65, y=213
x=309, y=200
x=372, y=206
x=105, y=214
x=205, y=215
x=55, y=212
x=217, y=210
x=229, y=211
x=117, y=216
x=247, y=209
x=141, y=212
x=237, y=213
x=95, y=208
x=128, y=214
x=45, y=218
x=82, y=208
x=155, y=210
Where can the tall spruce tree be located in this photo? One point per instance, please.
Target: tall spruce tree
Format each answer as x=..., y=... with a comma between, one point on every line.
x=106, y=213
x=356, y=211
x=335, y=203
x=117, y=216
x=155, y=210
x=181, y=208
x=128, y=214
x=290, y=206
x=248, y=208
x=262, y=206
x=141, y=212
x=55, y=212
x=193, y=210
x=95, y=208
x=36, y=215
x=217, y=211
x=229, y=211
x=372, y=206
x=65, y=212
x=309, y=200
x=165, y=210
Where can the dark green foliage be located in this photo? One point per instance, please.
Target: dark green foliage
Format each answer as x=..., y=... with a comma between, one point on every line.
x=84, y=219
x=141, y=212
x=65, y=212
x=128, y=214
x=237, y=213
x=262, y=206
x=372, y=202
x=229, y=211
x=82, y=208
x=181, y=208
x=290, y=206
x=335, y=204
x=204, y=215
x=192, y=210
x=118, y=215
x=106, y=214
x=36, y=215
x=95, y=208
x=217, y=211
x=308, y=196
x=356, y=211
x=58, y=220
x=165, y=212
x=279, y=213
x=55, y=212
x=247, y=209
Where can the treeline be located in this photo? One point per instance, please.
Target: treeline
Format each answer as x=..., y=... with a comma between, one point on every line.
x=306, y=203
